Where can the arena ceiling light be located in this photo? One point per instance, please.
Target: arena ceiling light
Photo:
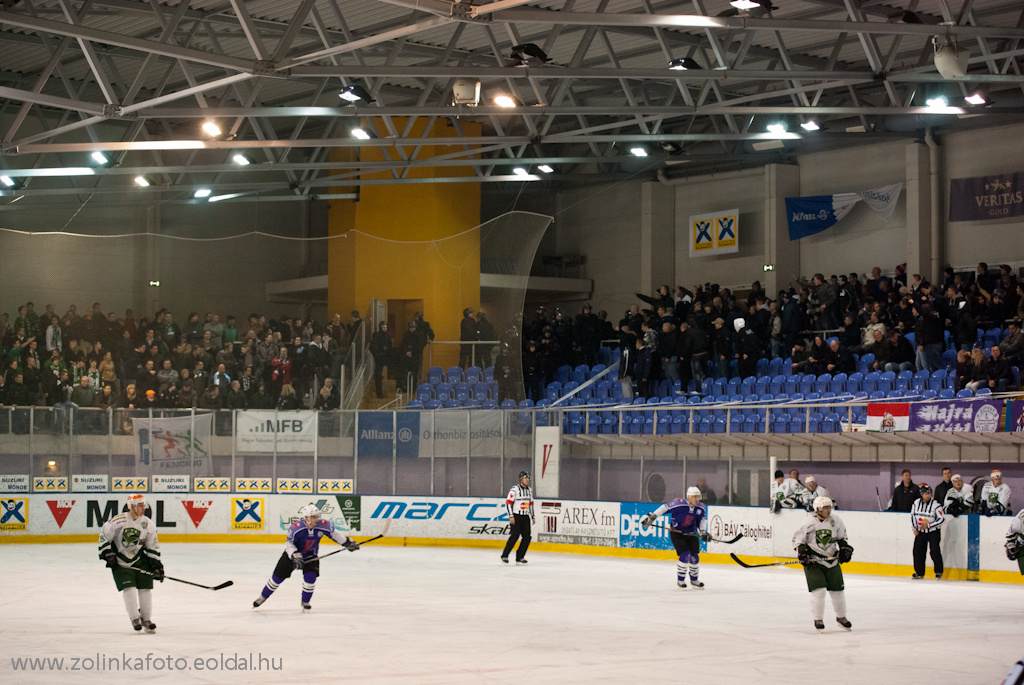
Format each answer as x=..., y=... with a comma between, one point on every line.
x=242, y=159
x=810, y=125
x=638, y=151
x=100, y=158
x=360, y=133
x=353, y=94
x=520, y=171
x=212, y=129
x=778, y=128
x=202, y=192
x=937, y=102
x=546, y=168
x=683, y=64
x=504, y=101
x=745, y=4
x=976, y=99
x=218, y=198
x=11, y=183
x=143, y=181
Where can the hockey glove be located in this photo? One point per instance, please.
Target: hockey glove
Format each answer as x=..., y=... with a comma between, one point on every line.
x=954, y=509
x=297, y=561
x=845, y=552
x=647, y=520
x=705, y=536
x=110, y=558
x=158, y=571
x=803, y=555
x=351, y=545
x=994, y=510
x=1012, y=553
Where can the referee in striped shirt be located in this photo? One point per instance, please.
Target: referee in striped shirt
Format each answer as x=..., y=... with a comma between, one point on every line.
x=926, y=517
x=519, y=504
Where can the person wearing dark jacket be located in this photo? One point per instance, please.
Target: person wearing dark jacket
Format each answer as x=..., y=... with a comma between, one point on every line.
x=901, y=353
x=644, y=365
x=748, y=348
x=905, y=494
x=627, y=365
x=1000, y=374
x=467, y=333
x=410, y=355
x=532, y=371
x=838, y=359
x=383, y=355
x=929, y=338
x=588, y=333
x=722, y=347
x=662, y=298
x=484, y=331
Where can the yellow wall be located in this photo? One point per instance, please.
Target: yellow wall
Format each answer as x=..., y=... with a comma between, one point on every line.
x=444, y=273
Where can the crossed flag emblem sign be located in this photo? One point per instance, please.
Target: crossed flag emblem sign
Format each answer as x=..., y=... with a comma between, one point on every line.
x=703, y=231
x=726, y=227
x=12, y=510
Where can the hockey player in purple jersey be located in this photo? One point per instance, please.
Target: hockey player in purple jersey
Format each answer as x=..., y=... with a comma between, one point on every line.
x=301, y=551
x=689, y=527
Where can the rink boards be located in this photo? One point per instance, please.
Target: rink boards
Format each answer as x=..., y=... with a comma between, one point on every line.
x=972, y=545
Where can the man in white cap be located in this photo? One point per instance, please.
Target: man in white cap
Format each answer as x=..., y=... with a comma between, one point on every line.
x=995, y=496
x=959, y=498
x=129, y=546
x=813, y=492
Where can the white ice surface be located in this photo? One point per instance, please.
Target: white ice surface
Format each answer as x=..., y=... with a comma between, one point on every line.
x=445, y=615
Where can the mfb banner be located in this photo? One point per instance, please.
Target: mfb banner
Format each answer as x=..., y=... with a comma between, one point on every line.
x=269, y=431
x=715, y=233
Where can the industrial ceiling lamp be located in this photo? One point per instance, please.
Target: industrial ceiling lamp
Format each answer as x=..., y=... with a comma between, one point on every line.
x=976, y=99
x=950, y=60
x=683, y=64
x=353, y=94
x=523, y=55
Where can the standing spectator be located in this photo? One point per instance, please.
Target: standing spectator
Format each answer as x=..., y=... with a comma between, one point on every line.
x=995, y=497
x=662, y=298
x=1012, y=346
x=408, y=355
x=215, y=328
x=231, y=330
x=644, y=365
x=235, y=397
x=327, y=398
x=668, y=343
x=281, y=373
x=533, y=371
x=467, y=333
x=945, y=486
x=484, y=331
x=926, y=519
x=929, y=337
x=959, y=498
x=707, y=495
x=723, y=350
x=53, y=335
x=905, y=494
x=588, y=333
x=627, y=366
x=193, y=330
x=383, y=355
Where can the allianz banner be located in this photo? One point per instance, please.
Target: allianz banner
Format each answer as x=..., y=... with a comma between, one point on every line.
x=986, y=197
x=377, y=434
x=265, y=431
x=813, y=214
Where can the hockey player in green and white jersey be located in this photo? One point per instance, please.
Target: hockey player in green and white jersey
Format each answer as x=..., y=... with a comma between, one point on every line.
x=1015, y=541
x=784, y=494
x=995, y=497
x=959, y=498
x=812, y=492
x=821, y=547
x=129, y=546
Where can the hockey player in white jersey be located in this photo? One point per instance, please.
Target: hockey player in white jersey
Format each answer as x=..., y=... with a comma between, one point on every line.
x=821, y=547
x=812, y=492
x=1015, y=541
x=783, y=493
x=959, y=498
x=995, y=497
x=129, y=546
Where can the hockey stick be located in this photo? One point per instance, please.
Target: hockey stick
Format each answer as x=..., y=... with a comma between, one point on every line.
x=724, y=542
x=774, y=563
x=223, y=585
x=387, y=525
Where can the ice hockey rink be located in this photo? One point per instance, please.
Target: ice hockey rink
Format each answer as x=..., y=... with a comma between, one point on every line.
x=389, y=614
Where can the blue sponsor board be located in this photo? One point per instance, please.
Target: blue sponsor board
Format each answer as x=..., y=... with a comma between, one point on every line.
x=376, y=434
x=632, y=535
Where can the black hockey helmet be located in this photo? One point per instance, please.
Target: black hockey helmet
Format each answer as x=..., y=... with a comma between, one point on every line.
x=523, y=474
x=924, y=487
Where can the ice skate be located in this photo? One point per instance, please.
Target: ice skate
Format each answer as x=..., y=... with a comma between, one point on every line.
x=681, y=583
x=938, y=576
x=520, y=561
x=258, y=601
x=504, y=560
x=137, y=623
x=819, y=626
x=306, y=608
x=148, y=625
x=916, y=577
x=696, y=584
x=844, y=623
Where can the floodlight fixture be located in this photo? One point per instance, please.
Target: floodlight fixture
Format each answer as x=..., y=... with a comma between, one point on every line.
x=546, y=168
x=520, y=171
x=810, y=125
x=466, y=92
x=778, y=127
x=143, y=181
x=683, y=64
x=354, y=94
x=8, y=181
x=229, y=196
x=937, y=101
x=527, y=52
x=360, y=133
x=638, y=151
x=202, y=192
x=504, y=101
x=950, y=60
x=212, y=129
x=745, y=4
x=976, y=99
x=241, y=159
x=99, y=158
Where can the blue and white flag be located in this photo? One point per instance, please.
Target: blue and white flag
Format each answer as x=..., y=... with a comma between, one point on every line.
x=814, y=214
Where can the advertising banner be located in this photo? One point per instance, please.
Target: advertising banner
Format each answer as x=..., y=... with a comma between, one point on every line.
x=377, y=434
x=265, y=431
x=128, y=484
x=11, y=483
x=335, y=486
x=816, y=213
x=547, y=444
x=632, y=534
x=14, y=514
x=460, y=434
x=450, y=517
x=715, y=233
x=577, y=523
x=981, y=198
x=170, y=483
x=295, y=485
x=170, y=446
x=888, y=417
x=971, y=416
x=1015, y=416
x=88, y=483
x=50, y=484
x=219, y=484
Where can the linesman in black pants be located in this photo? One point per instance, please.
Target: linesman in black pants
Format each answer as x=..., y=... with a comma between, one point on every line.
x=519, y=504
x=926, y=517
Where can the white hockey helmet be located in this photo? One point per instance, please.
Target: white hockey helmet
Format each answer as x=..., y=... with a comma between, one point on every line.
x=135, y=498
x=821, y=502
x=310, y=510
x=693, y=490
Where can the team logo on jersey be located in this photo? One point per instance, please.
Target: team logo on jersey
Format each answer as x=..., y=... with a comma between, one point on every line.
x=247, y=513
x=197, y=509
x=14, y=514
x=129, y=537
x=60, y=508
x=823, y=536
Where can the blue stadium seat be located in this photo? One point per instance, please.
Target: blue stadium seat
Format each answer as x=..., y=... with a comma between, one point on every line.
x=474, y=374
x=920, y=381
x=604, y=355
x=938, y=380
x=912, y=339
x=787, y=366
x=489, y=374
x=415, y=404
x=949, y=360
x=777, y=385
x=490, y=404
x=433, y=404
x=966, y=392
x=877, y=395
x=747, y=386
x=838, y=383
x=775, y=367
x=855, y=382
x=597, y=369
x=462, y=392
x=424, y=392
x=929, y=395
x=904, y=380
x=604, y=390
x=983, y=391
x=863, y=362
x=814, y=425
x=471, y=404
x=821, y=383
x=792, y=385
x=833, y=424
x=707, y=386
x=481, y=391
x=886, y=381
x=762, y=385
x=581, y=373
x=454, y=375
x=733, y=386
x=435, y=375
x=807, y=382
x=947, y=394
x=443, y=392
x=564, y=374
x=508, y=404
